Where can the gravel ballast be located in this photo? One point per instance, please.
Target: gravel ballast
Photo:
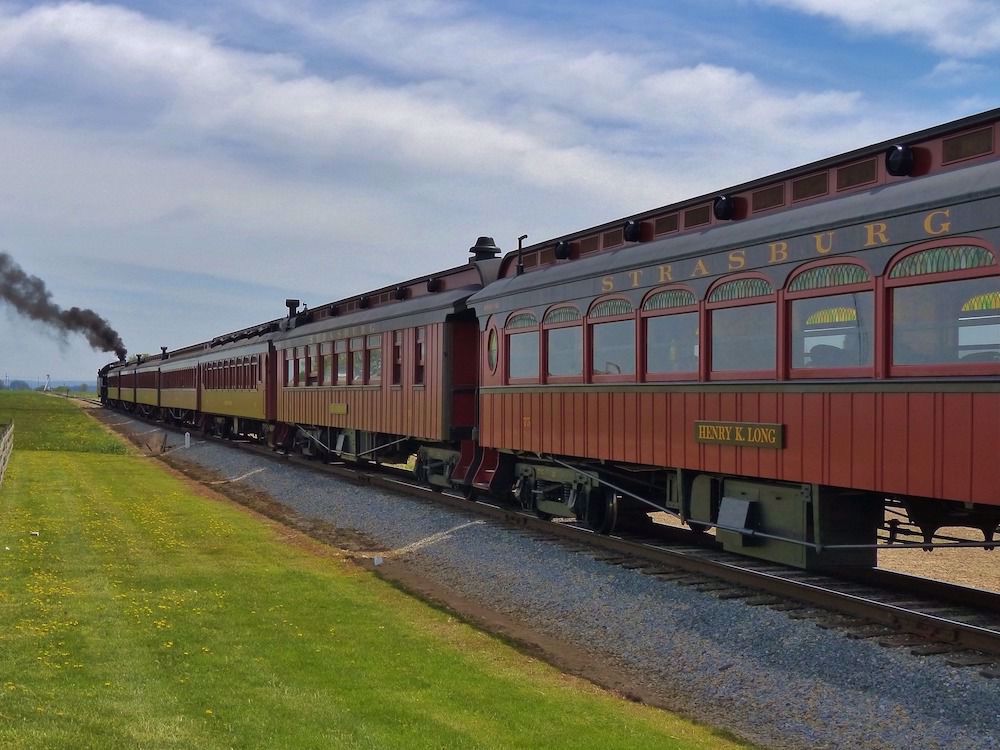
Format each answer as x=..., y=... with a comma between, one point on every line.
x=774, y=680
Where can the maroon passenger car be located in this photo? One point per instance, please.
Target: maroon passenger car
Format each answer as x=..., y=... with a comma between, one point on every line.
x=783, y=360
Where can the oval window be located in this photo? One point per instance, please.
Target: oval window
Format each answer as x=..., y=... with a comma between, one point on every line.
x=492, y=348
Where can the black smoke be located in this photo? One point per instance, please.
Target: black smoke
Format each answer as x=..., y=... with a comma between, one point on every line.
x=28, y=295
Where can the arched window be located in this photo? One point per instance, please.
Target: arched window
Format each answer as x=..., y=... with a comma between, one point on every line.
x=832, y=313
x=743, y=328
x=563, y=343
x=522, y=347
x=671, y=320
x=945, y=310
x=612, y=340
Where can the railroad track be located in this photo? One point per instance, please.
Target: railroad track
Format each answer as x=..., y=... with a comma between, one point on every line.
x=928, y=617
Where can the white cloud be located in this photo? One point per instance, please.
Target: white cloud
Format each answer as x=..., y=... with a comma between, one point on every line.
x=959, y=28
x=130, y=138
x=618, y=132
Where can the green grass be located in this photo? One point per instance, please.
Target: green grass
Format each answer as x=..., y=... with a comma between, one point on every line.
x=145, y=615
x=53, y=423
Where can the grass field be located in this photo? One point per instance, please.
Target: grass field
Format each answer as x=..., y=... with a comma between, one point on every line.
x=136, y=612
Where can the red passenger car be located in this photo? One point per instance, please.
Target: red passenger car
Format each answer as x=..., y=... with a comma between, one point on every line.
x=389, y=373
x=782, y=360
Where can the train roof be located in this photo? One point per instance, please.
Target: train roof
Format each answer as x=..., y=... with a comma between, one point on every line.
x=945, y=147
x=420, y=296
x=978, y=181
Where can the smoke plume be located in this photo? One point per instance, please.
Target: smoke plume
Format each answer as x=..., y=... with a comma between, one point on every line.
x=28, y=295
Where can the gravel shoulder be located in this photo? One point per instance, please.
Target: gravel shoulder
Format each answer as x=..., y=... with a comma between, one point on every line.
x=775, y=681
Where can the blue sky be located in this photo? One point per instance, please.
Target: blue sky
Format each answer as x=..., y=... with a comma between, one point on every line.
x=182, y=167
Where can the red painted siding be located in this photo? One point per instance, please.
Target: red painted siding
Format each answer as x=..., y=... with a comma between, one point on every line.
x=410, y=409
x=932, y=444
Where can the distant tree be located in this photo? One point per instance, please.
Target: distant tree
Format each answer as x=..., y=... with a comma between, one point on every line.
x=19, y=385
x=83, y=387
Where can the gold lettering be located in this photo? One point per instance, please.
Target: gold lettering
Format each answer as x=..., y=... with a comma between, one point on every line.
x=608, y=284
x=823, y=247
x=737, y=260
x=779, y=252
x=636, y=275
x=700, y=269
x=666, y=274
x=876, y=234
x=933, y=227
x=739, y=434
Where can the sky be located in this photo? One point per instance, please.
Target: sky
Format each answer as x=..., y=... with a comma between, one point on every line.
x=182, y=167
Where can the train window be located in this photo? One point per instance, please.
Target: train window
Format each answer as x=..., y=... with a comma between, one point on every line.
x=563, y=342
x=374, y=347
x=397, y=357
x=613, y=348
x=301, y=359
x=951, y=322
x=357, y=347
x=836, y=331
x=326, y=352
x=613, y=339
x=672, y=343
x=564, y=351
x=944, y=311
x=832, y=331
x=743, y=338
x=418, y=360
x=672, y=326
x=314, y=363
x=522, y=347
x=289, y=367
x=743, y=328
x=492, y=350
x=340, y=347
x=522, y=357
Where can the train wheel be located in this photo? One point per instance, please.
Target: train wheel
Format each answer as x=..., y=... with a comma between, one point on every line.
x=523, y=491
x=420, y=470
x=602, y=511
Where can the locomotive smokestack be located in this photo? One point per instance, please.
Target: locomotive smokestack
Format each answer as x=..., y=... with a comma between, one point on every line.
x=293, y=306
x=484, y=249
x=30, y=298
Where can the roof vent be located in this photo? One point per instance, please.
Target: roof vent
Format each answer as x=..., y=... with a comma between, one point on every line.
x=293, y=306
x=484, y=249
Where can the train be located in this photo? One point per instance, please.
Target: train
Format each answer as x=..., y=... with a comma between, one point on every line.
x=807, y=364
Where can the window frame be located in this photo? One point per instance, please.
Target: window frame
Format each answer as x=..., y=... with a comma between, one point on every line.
x=643, y=335
x=327, y=363
x=397, y=359
x=870, y=286
x=341, y=353
x=544, y=328
x=371, y=379
x=708, y=325
x=356, y=347
x=419, y=355
x=941, y=369
x=588, y=342
x=508, y=333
